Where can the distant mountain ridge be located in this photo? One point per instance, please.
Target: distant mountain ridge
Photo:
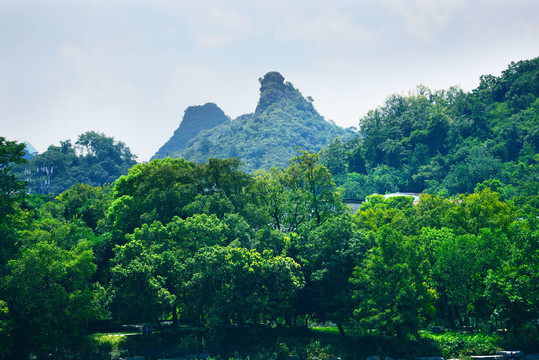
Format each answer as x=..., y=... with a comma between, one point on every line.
x=282, y=122
x=195, y=119
x=30, y=151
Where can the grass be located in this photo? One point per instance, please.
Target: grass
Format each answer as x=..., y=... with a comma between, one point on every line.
x=259, y=342
x=462, y=344
x=321, y=343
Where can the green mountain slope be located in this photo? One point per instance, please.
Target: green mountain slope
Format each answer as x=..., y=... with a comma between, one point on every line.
x=195, y=120
x=282, y=121
x=447, y=141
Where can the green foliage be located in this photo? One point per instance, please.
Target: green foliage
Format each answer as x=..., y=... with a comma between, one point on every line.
x=195, y=119
x=469, y=245
x=458, y=345
x=81, y=201
x=228, y=285
x=461, y=287
x=331, y=253
x=154, y=191
x=162, y=189
x=94, y=160
x=138, y=286
x=6, y=330
x=391, y=294
x=283, y=120
x=10, y=188
x=12, y=193
x=247, y=255
x=512, y=287
x=447, y=140
x=301, y=193
x=49, y=295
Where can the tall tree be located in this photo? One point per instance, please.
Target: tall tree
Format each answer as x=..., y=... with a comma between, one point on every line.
x=391, y=293
x=230, y=285
x=12, y=192
x=336, y=247
x=11, y=189
x=49, y=295
x=142, y=279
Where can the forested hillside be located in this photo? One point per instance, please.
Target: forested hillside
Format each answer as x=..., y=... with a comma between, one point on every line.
x=445, y=142
x=95, y=159
x=195, y=120
x=282, y=121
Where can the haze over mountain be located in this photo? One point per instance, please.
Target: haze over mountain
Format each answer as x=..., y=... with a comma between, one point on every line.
x=30, y=151
x=283, y=121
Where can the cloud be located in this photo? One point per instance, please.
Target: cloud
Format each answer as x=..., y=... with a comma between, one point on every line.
x=329, y=26
x=228, y=19
x=214, y=26
x=426, y=20
x=187, y=82
x=199, y=84
x=73, y=55
x=130, y=68
x=71, y=106
x=71, y=52
x=211, y=40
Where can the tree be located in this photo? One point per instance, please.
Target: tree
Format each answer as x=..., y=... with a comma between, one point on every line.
x=333, y=157
x=336, y=248
x=49, y=295
x=12, y=193
x=187, y=236
x=478, y=211
x=301, y=193
x=271, y=195
x=433, y=211
x=377, y=212
x=11, y=189
x=158, y=190
x=512, y=289
x=492, y=185
x=223, y=189
x=139, y=279
x=96, y=159
x=163, y=189
x=230, y=285
x=145, y=280
x=84, y=202
x=313, y=193
x=391, y=293
x=461, y=288
x=448, y=140
x=6, y=330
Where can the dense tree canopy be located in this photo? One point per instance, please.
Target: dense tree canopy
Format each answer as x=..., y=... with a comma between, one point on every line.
x=10, y=187
x=208, y=245
x=95, y=159
x=445, y=141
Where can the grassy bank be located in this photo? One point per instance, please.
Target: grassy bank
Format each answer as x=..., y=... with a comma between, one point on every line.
x=282, y=343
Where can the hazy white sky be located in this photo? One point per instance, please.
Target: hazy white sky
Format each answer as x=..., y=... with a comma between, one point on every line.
x=129, y=68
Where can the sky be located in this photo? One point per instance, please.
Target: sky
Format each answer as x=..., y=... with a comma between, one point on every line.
x=130, y=68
